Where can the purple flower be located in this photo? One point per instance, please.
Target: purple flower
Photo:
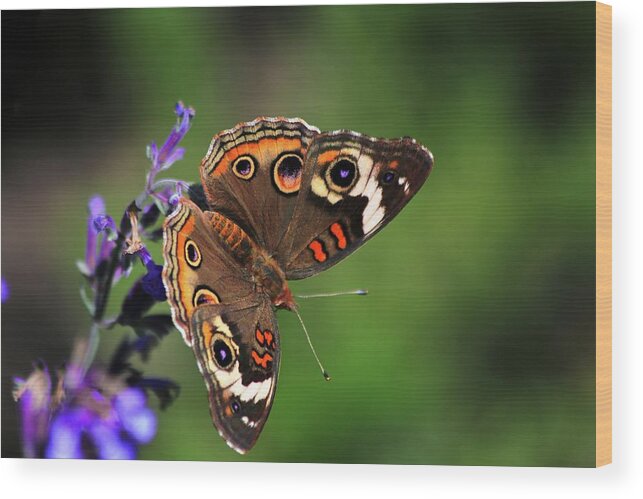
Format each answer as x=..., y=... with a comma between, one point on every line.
x=101, y=232
x=170, y=191
x=109, y=444
x=105, y=223
x=5, y=291
x=90, y=414
x=170, y=152
x=152, y=281
x=136, y=418
x=166, y=156
x=93, y=250
x=113, y=427
x=34, y=404
x=65, y=441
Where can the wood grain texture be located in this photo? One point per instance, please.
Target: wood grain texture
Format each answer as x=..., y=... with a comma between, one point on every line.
x=603, y=234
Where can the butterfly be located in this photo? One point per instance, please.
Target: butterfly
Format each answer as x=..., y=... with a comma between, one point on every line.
x=283, y=201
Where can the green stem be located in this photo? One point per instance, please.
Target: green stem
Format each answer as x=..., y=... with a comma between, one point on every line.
x=100, y=305
x=92, y=347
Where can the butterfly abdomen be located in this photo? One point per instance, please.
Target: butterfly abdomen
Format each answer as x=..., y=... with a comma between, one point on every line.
x=272, y=280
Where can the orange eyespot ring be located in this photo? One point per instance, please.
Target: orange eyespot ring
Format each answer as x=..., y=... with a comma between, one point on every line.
x=342, y=174
x=286, y=173
x=192, y=254
x=244, y=167
x=205, y=295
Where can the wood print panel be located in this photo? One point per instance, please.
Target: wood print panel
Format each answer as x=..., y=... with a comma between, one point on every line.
x=485, y=337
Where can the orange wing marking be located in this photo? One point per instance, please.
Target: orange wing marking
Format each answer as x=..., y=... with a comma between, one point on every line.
x=261, y=360
x=327, y=156
x=260, y=337
x=337, y=231
x=317, y=248
x=265, y=337
x=254, y=149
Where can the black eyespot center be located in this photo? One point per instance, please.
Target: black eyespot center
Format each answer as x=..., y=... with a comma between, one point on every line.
x=343, y=173
x=222, y=353
x=192, y=253
x=290, y=166
x=287, y=171
x=389, y=177
x=235, y=406
x=244, y=166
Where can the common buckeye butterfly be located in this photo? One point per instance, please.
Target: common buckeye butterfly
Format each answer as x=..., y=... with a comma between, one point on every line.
x=284, y=201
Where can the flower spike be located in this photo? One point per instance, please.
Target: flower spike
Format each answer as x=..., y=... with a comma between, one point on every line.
x=167, y=191
x=89, y=411
x=169, y=152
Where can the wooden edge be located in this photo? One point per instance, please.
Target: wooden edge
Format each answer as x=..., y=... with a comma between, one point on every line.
x=603, y=234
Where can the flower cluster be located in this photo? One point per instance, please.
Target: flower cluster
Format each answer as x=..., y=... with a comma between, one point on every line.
x=100, y=412
x=89, y=414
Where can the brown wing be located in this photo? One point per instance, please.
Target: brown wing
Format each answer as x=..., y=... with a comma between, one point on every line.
x=252, y=174
x=200, y=265
x=237, y=349
x=353, y=185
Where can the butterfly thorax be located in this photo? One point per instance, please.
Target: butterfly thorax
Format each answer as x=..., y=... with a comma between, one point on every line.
x=271, y=280
x=266, y=273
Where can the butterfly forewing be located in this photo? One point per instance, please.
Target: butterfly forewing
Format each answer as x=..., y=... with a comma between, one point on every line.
x=200, y=266
x=353, y=186
x=252, y=174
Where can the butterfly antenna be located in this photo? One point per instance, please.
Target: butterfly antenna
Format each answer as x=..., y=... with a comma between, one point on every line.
x=324, y=372
x=359, y=292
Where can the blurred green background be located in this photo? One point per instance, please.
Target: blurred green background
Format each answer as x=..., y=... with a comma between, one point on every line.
x=476, y=343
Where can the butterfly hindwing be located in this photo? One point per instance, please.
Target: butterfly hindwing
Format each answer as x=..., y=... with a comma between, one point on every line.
x=353, y=186
x=237, y=349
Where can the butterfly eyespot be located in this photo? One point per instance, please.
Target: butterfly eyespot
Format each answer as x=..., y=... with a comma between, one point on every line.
x=204, y=295
x=286, y=173
x=235, y=406
x=192, y=254
x=222, y=351
x=389, y=177
x=244, y=167
x=341, y=175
